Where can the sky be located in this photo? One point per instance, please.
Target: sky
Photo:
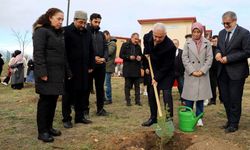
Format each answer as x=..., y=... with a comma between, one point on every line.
x=118, y=16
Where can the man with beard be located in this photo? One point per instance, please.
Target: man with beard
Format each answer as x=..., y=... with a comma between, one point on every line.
x=232, y=54
x=78, y=43
x=101, y=57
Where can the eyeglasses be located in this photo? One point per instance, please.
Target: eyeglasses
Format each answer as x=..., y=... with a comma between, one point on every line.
x=226, y=23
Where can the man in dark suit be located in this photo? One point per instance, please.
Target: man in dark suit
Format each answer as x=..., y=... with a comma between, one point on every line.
x=132, y=56
x=162, y=54
x=179, y=68
x=213, y=71
x=232, y=53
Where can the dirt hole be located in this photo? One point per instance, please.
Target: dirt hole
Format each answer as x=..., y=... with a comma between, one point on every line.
x=148, y=140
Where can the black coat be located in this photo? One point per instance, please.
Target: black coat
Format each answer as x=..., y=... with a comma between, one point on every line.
x=162, y=58
x=237, y=53
x=179, y=68
x=131, y=68
x=80, y=55
x=49, y=60
x=99, y=43
x=1, y=65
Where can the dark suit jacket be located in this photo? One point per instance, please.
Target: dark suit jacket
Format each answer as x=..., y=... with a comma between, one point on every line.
x=179, y=68
x=131, y=68
x=162, y=59
x=237, y=52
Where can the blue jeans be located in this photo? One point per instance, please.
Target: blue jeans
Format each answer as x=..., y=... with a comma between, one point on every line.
x=30, y=77
x=108, y=92
x=199, y=106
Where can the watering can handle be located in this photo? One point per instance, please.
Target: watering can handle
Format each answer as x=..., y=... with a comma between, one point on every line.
x=154, y=86
x=185, y=107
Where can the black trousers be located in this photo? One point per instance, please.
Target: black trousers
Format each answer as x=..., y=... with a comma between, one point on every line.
x=129, y=82
x=167, y=98
x=231, y=94
x=45, y=112
x=213, y=83
x=99, y=76
x=79, y=100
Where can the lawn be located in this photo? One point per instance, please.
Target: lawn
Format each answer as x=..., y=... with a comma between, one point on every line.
x=121, y=130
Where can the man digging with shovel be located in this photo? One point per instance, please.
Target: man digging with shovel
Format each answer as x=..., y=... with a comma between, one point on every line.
x=160, y=52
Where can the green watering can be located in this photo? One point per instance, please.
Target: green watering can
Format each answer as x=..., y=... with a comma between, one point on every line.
x=187, y=119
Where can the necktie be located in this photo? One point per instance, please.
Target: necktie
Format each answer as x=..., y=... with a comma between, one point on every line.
x=227, y=39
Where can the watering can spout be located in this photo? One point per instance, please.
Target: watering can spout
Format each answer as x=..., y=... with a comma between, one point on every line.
x=197, y=118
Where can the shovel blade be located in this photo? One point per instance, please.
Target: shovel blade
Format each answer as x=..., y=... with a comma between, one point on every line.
x=164, y=129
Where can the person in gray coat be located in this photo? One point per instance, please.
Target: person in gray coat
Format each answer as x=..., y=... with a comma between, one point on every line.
x=197, y=59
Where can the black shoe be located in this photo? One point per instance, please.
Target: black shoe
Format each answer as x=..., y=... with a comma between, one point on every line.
x=211, y=103
x=45, y=137
x=84, y=121
x=67, y=124
x=225, y=126
x=231, y=129
x=149, y=122
x=138, y=103
x=102, y=112
x=129, y=104
x=107, y=102
x=55, y=132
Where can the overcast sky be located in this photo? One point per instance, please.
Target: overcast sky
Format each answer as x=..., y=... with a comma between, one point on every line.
x=119, y=16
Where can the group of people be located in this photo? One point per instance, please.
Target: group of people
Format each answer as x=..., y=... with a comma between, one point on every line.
x=19, y=71
x=68, y=59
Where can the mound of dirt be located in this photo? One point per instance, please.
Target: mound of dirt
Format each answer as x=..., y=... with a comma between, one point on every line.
x=147, y=140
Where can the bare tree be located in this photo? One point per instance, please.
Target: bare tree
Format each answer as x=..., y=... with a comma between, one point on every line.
x=22, y=39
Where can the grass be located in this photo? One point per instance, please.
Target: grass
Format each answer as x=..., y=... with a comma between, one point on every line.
x=18, y=122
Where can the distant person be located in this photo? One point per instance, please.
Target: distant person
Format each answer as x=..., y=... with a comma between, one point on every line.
x=162, y=54
x=132, y=56
x=179, y=68
x=50, y=69
x=17, y=70
x=7, y=78
x=197, y=58
x=110, y=66
x=232, y=54
x=213, y=71
x=188, y=37
x=25, y=67
x=80, y=54
x=30, y=72
x=1, y=65
x=101, y=57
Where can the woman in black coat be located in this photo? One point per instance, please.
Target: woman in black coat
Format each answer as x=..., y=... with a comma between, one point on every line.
x=50, y=69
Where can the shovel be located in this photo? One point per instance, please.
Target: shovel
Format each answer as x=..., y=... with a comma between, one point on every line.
x=164, y=127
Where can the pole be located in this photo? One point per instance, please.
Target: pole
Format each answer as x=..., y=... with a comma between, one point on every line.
x=68, y=13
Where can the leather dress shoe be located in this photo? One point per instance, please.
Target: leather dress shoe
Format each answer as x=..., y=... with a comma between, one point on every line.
x=231, y=129
x=84, y=121
x=67, y=124
x=55, y=132
x=149, y=122
x=45, y=137
x=138, y=103
x=225, y=126
x=102, y=112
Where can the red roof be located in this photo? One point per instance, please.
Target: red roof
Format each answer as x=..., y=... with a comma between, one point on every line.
x=144, y=21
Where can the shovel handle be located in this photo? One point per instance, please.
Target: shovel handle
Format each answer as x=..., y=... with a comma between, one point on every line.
x=154, y=86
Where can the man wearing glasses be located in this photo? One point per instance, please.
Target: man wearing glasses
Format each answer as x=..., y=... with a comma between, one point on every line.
x=232, y=53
